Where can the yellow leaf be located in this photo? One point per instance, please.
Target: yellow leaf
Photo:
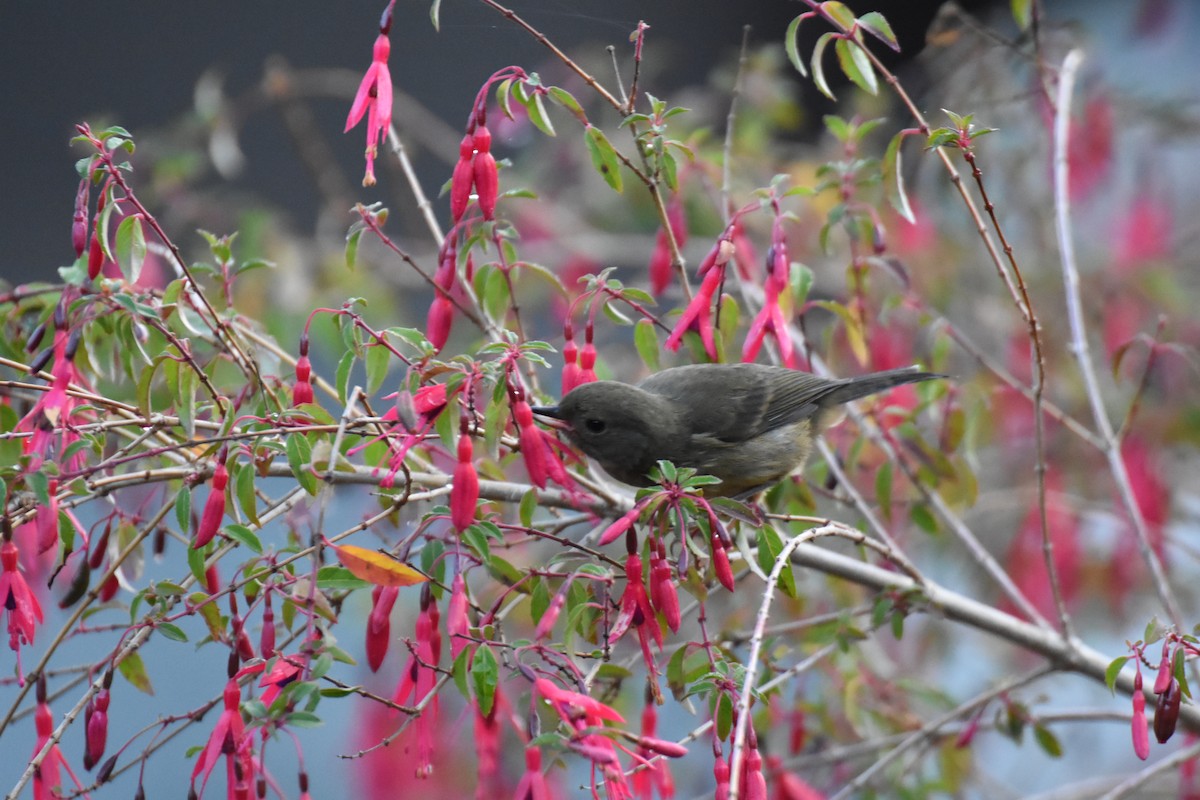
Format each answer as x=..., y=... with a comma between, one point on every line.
x=377, y=568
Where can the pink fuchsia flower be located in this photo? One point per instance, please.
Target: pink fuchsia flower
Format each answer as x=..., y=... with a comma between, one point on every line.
x=458, y=623
x=770, y=319
x=379, y=624
x=698, y=315
x=663, y=593
x=214, y=506
x=464, y=492
x=228, y=738
x=419, y=678
x=656, y=778
x=283, y=672
x=487, y=176
x=47, y=779
x=1141, y=734
x=374, y=98
x=463, y=178
x=302, y=391
x=660, y=259
x=16, y=598
x=96, y=728
x=575, y=707
x=532, y=785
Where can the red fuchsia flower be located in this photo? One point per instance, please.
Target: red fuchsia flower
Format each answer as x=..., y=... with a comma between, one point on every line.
x=663, y=593
x=720, y=559
x=303, y=391
x=374, y=98
x=419, y=677
x=769, y=320
x=721, y=775
x=699, y=315
x=266, y=642
x=458, y=623
x=635, y=604
x=1166, y=712
x=46, y=520
x=744, y=255
x=546, y=624
x=475, y=168
x=95, y=723
x=379, y=624
x=285, y=670
x=463, y=178
x=660, y=260
x=229, y=739
x=51, y=414
x=24, y=612
x=570, y=372
x=621, y=526
x=1141, y=734
x=532, y=785
x=534, y=449
x=581, y=713
x=464, y=492
x=47, y=779
x=487, y=750
x=789, y=785
x=214, y=506
x=754, y=782
x=440, y=321
x=657, y=776
x=587, y=359
x=487, y=177
x=575, y=707
x=79, y=222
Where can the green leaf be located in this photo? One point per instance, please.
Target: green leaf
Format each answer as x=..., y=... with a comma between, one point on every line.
x=537, y=114
x=378, y=360
x=893, y=179
x=645, y=339
x=299, y=456
x=856, y=65
x=335, y=576
x=791, y=44
x=485, y=673
x=875, y=24
x=133, y=669
x=818, y=67
x=840, y=13
x=243, y=483
x=172, y=632
x=435, y=13
x=529, y=504
x=342, y=376
x=1113, y=671
x=1022, y=11
x=604, y=157
x=1047, y=741
x=131, y=247
x=243, y=535
x=567, y=101
x=769, y=548
x=352, y=240
x=883, y=490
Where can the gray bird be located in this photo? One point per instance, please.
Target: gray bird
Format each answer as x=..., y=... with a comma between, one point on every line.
x=750, y=425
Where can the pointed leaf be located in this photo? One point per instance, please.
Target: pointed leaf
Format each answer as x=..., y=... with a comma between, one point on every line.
x=376, y=567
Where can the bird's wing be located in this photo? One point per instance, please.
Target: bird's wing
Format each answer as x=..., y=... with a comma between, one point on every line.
x=734, y=403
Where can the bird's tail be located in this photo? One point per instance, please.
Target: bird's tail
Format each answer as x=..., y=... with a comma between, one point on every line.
x=854, y=388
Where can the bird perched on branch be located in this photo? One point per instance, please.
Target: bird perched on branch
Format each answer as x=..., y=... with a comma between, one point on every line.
x=751, y=425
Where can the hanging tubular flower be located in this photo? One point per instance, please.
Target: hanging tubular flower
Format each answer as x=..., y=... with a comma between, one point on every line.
x=487, y=176
x=374, y=98
x=699, y=315
x=24, y=612
x=463, y=178
x=464, y=492
x=96, y=727
x=214, y=507
x=660, y=260
x=228, y=738
x=379, y=624
x=302, y=392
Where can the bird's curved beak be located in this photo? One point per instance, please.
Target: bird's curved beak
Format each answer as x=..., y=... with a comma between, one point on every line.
x=552, y=412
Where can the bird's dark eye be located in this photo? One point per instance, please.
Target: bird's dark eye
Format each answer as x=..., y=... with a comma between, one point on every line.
x=596, y=425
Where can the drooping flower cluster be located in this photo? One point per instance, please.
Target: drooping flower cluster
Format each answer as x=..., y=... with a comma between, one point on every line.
x=775, y=313
x=419, y=677
x=374, y=96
